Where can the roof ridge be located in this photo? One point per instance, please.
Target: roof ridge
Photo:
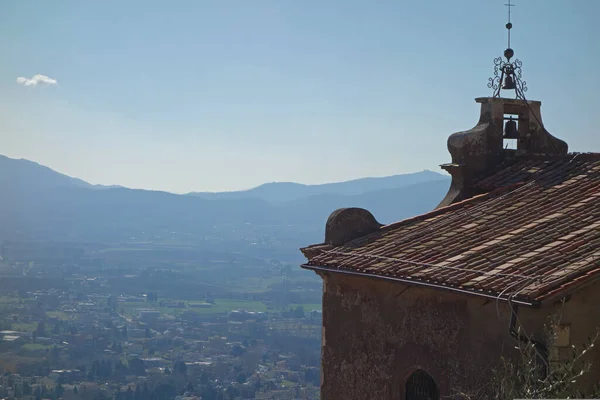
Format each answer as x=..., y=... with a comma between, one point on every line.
x=587, y=156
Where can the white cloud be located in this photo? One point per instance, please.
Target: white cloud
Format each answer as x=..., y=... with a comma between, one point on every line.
x=37, y=79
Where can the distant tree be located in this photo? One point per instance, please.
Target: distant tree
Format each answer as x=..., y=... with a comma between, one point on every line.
x=54, y=355
x=209, y=298
x=137, y=367
x=111, y=302
x=298, y=312
x=190, y=387
x=311, y=375
x=167, y=371
x=165, y=391
x=18, y=392
x=241, y=378
x=26, y=389
x=151, y=297
x=237, y=350
x=129, y=394
x=108, y=369
x=100, y=396
x=145, y=391
x=75, y=390
x=208, y=392
x=179, y=367
x=232, y=392
x=41, y=329
x=251, y=359
x=204, y=378
x=59, y=390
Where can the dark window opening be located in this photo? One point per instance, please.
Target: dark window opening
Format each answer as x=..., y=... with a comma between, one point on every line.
x=511, y=131
x=421, y=386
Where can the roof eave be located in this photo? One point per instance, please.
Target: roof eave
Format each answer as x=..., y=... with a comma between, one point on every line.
x=560, y=293
x=515, y=300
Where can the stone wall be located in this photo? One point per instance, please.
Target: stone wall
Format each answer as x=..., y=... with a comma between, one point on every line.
x=376, y=333
x=581, y=314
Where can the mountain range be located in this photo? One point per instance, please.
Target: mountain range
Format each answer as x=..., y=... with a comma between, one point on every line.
x=38, y=203
x=281, y=192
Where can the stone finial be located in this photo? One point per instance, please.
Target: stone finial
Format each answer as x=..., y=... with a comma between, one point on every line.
x=346, y=224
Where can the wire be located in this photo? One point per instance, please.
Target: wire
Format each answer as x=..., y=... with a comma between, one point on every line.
x=550, y=137
x=518, y=321
x=498, y=298
x=422, y=264
x=448, y=221
x=431, y=227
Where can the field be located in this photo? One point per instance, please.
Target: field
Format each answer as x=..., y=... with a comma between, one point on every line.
x=308, y=307
x=24, y=327
x=9, y=303
x=35, y=347
x=58, y=314
x=221, y=306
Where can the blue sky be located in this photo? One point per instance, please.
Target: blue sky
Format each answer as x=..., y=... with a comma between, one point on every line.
x=223, y=94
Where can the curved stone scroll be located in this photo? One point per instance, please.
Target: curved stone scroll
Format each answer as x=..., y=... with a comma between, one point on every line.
x=346, y=224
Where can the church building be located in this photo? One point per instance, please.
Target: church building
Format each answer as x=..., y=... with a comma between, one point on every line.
x=426, y=307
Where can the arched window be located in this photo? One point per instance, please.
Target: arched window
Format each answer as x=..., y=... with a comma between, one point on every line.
x=421, y=386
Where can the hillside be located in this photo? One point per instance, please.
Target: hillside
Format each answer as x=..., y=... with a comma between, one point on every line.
x=41, y=204
x=28, y=175
x=279, y=192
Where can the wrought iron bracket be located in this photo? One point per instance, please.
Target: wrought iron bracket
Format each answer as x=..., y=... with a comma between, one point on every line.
x=505, y=72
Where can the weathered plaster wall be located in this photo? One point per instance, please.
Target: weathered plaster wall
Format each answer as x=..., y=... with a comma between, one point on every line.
x=582, y=314
x=375, y=333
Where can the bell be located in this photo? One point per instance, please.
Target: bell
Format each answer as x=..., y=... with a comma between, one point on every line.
x=510, y=129
x=509, y=83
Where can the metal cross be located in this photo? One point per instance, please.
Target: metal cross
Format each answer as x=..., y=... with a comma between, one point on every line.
x=509, y=5
x=509, y=25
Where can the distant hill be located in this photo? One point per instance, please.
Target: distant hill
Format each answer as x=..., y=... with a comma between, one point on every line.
x=279, y=192
x=387, y=205
x=27, y=174
x=38, y=203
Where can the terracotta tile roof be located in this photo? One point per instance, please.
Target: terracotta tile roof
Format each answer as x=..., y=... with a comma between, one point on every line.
x=535, y=233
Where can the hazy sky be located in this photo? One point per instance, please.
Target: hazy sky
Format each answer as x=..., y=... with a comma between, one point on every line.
x=221, y=95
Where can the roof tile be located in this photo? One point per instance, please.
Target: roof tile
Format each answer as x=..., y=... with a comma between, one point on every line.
x=534, y=233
